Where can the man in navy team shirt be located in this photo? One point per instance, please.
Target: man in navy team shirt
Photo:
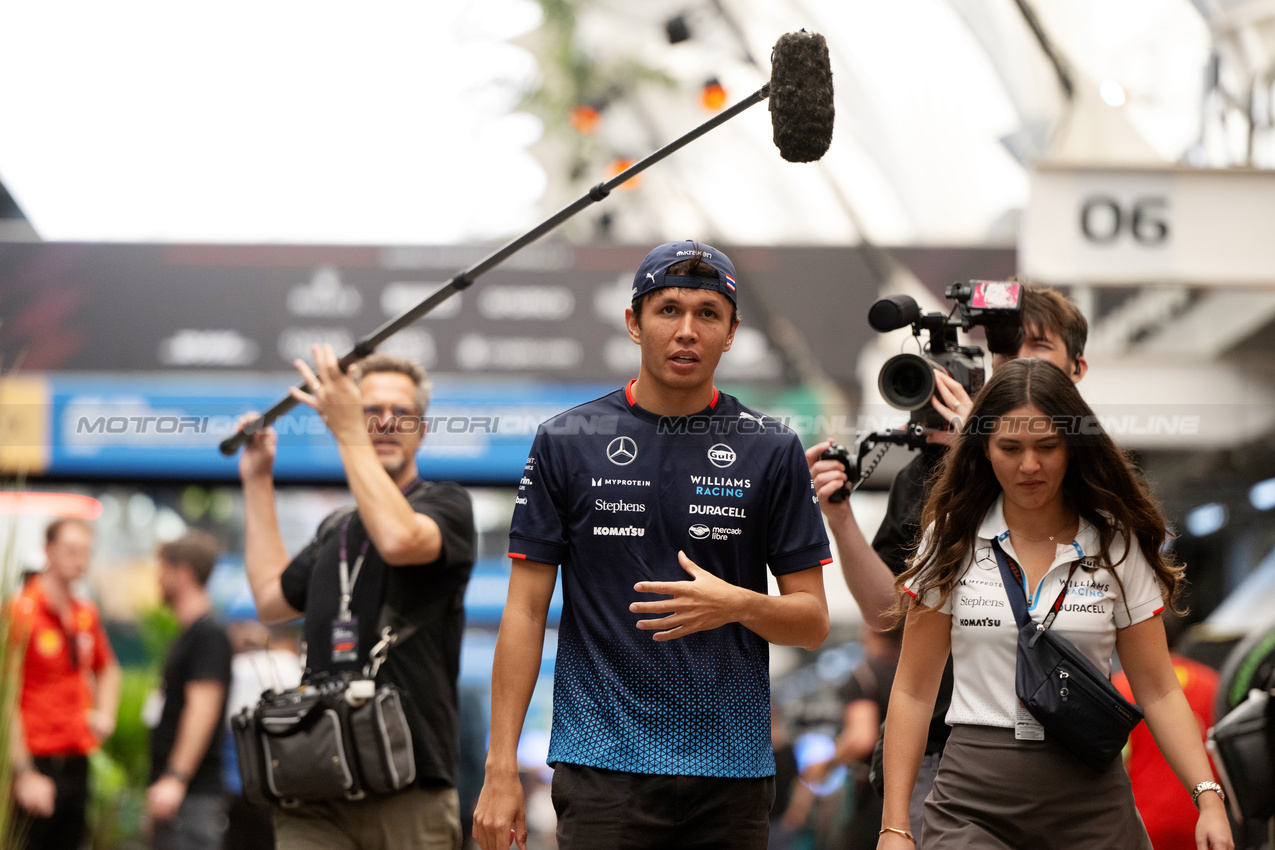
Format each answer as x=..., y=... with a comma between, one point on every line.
x=664, y=502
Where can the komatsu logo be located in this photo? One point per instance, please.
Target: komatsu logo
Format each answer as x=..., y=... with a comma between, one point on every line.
x=618, y=531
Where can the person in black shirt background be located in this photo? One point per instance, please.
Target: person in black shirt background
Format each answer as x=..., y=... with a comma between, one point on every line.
x=187, y=801
x=408, y=549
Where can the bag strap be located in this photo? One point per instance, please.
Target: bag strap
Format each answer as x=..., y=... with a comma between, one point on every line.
x=1012, y=574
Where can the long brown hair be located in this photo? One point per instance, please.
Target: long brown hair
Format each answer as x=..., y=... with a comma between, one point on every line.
x=1101, y=484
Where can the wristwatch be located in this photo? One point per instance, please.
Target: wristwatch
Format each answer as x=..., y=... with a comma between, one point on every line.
x=1206, y=786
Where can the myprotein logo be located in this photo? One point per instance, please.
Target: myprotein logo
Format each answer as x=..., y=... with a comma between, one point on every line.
x=622, y=451
x=618, y=482
x=699, y=531
x=721, y=455
x=618, y=531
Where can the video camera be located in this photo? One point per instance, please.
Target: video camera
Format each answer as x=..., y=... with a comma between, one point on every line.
x=907, y=381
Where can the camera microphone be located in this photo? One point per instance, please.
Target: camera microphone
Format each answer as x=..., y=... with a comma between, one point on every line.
x=893, y=312
x=801, y=102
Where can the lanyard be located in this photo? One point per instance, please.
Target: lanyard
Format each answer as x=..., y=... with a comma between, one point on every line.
x=1017, y=572
x=350, y=577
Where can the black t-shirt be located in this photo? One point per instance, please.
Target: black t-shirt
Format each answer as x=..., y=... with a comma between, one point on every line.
x=872, y=679
x=200, y=654
x=430, y=596
x=893, y=541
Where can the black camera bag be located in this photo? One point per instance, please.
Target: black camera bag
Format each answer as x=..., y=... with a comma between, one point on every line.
x=1062, y=688
x=320, y=741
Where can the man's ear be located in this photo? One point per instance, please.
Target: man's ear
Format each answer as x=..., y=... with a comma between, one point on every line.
x=1078, y=369
x=635, y=330
x=730, y=337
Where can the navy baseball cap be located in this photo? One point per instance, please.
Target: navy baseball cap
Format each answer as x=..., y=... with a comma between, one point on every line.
x=651, y=274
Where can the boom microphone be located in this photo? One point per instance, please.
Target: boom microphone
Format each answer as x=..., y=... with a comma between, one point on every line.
x=801, y=114
x=801, y=104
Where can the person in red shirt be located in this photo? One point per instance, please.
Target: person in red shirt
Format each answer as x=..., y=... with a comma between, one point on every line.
x=69, y=692
x=1165, y=805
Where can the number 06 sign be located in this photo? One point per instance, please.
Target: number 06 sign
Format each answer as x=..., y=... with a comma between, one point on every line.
x=1135, y=226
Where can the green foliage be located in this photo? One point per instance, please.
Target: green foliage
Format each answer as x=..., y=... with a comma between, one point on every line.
x=10, y=669
x=572, y=76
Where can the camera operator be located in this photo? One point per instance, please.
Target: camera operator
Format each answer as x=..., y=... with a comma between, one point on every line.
x=1054, y=329
x=408, y=546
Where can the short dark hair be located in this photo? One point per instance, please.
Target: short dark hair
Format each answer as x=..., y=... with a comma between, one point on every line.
x=196, y=549
x=1046, y=309
x=54, y=528
x=399, y=366
x=690, y=267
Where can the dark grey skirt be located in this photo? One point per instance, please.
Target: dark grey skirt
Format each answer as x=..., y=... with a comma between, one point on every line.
x=993, y=792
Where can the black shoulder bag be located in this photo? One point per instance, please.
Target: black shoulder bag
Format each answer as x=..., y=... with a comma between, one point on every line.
x=333, y=738
x=1062, y=688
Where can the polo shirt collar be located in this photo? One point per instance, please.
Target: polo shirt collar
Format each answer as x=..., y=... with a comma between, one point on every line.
x=994, y=527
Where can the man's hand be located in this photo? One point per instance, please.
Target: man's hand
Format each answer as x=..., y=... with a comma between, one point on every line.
x=35, y=792
x=101, y=724
x=257, y=458
x=829, y=476
x=703, y=603
x=164, y=798
x=817, y=772
x=333, y=395
x=500, y=817
x=954, y=407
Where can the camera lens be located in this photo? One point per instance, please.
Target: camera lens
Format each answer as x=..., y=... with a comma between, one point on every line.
x=907, y=381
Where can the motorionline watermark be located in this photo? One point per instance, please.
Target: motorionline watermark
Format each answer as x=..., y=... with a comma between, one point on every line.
x=585, y=425
x=106, y=424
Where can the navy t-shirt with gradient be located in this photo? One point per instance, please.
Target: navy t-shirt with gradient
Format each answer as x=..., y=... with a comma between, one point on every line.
x=611, y=492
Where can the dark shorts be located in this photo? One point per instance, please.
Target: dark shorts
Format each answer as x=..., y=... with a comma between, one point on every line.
x=635, y=811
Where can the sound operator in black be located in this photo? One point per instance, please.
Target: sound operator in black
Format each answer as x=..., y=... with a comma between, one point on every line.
x=1053, y=329
x=407, y=546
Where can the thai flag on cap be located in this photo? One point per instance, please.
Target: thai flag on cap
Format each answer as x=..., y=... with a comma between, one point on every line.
x=730, y=281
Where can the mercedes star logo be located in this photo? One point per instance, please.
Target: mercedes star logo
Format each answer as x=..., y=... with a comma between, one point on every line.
x=622, y=451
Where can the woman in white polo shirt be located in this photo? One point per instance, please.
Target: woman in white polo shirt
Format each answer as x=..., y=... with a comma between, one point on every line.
x=1034, y=470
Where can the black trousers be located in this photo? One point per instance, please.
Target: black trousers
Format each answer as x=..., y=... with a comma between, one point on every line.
x=610, y=810
x=65, y=830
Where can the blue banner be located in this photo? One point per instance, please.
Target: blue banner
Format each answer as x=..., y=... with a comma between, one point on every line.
x=161, y=427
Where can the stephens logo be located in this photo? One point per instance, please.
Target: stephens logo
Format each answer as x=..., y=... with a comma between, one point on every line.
x=619, y=507
x=721, y=455
x=699, y=531
x=622, y=451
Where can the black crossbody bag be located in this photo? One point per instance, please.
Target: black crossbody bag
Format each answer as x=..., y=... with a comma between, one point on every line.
x=332, y=738
x=1061, y=687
